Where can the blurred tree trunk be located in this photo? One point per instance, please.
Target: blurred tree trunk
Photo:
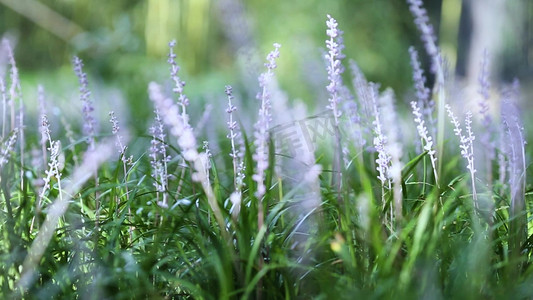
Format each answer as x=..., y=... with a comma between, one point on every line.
x=434, y=8
x=503, y=29
x=187, y=22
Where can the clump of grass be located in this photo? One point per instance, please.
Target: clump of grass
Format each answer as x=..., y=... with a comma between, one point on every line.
x=178, y=223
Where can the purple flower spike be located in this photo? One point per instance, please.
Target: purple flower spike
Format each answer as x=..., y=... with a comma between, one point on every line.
x=263, y=123
x=179, y=84
x=427, y=32
x=89, y=122
x=335, y=69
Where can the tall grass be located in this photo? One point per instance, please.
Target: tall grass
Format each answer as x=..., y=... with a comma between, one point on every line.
x=359, y=202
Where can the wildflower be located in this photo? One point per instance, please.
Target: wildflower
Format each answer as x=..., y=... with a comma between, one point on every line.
x=466, y=144
x=234, y=133
x=178, y=124
x=209, y=156
x=115, y=130
x=424, y=135
x=425, y=102
x=393, y=148
x=54, y=169
x=422, y=92
x=89, y=122
x=183, y=101
x=380, y=140
x=122, y=152
x=158, y=156
x=263, y=123
x=187, y=141
x=427, y=32
x=335, y=69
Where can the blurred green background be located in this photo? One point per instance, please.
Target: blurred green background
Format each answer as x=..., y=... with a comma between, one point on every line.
x=124, y=43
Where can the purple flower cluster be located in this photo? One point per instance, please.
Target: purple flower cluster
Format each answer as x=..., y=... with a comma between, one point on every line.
x=263, y=123
x=178, y=121
x=158, y=155
x=393, y=148
x=183, y=101
x=235, y=137
x=85, y=97
x=427, y=32
x=423, y=96
x=115, y=131
x=380, y=139
x=335, y=69
x=466, y=143
x=422, y=92
x=426, y=138
x=179, y=125
x=53, y=166
x=56, y=160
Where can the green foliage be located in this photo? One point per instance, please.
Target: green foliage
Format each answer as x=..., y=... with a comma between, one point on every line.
x=443, y=249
